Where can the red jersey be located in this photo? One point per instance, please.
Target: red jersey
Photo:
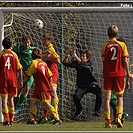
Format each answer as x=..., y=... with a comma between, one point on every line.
x=52, y=66
x=9, y=64
x=113, y=53
x=41, y=74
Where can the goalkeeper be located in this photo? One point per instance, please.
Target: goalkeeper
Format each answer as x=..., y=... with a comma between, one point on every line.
x=24, y=52
x=86, y=83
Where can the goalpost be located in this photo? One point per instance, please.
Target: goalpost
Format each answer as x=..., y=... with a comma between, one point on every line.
x=78, y=26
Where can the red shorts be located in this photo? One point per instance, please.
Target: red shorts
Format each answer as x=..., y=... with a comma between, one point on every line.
x=43, y=96
x=8, y=91
x=114, y=83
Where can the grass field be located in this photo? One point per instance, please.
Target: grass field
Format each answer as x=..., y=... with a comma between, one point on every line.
x=66, y=126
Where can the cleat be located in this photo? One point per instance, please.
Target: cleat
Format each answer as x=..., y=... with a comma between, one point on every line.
x=124, y=117
x=119, y=123
x=52, y=121
x=76, y=115
x=32, y=122
x=17, y=110
x=107, y=126
x=42, y=121
x=57, y=122
x=6, y=123
x=11, y=123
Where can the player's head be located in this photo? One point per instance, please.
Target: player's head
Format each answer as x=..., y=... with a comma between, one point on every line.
x=47, y=39
x=26, y=40
x=7, y=43
x=85, y=55
x=112, y=31
x=37, y=53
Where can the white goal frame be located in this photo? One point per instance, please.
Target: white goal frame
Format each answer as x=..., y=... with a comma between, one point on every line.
x=51, y=10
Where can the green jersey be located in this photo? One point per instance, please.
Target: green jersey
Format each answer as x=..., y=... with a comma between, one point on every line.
x=25, y=55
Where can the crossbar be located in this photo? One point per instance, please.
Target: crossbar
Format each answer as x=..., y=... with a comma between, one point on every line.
x=65, y=9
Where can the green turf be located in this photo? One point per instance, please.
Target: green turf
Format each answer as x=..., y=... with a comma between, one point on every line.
x=66, y=126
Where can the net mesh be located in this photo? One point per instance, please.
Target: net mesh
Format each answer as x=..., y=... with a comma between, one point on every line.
x=81, y=30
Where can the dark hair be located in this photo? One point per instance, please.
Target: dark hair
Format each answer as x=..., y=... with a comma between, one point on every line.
x=112, y=31
x=87, y=52
x=121, y=40
x=25, y=38
x=37, y=53
x=48, y=36
x=7, y=42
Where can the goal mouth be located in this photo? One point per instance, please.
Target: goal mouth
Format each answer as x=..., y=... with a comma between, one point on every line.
x=81, y=27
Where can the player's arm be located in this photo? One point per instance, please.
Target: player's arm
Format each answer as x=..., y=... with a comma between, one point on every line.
x=47, y=57
x=75, y=56
x=56, y=60
x=26, y=77
x=125, y=61
x=21, y=78
x=67, y=54
x=30, y=71
x=131, y=64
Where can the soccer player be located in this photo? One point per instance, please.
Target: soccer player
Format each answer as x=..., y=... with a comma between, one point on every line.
x=24, y=52
x=43, y=78
x=86, y=83
x=9, y=67
x=52, y=59
x=113, y=101
x=115, y=68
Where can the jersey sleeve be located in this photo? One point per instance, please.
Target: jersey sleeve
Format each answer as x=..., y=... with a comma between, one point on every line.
x=31, y=69
x=54, y=54
x=19, y=66
x=103, y=51
x=125, y=51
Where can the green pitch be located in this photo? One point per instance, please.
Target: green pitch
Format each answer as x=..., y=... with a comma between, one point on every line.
x=66, y=126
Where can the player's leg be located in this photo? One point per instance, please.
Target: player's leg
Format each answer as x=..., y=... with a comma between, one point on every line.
x=44, y=117
x=54, y=98
x=79, y=92
x=52, y=111
x=46, y=97
x=113, y=104
x=24, y=94
x=17, y=98
x=5, y=110
x=33, y=111
x=107, y=96
x=54, y=102
x=119, y=86
x=95, y=89
x=119, y=110
x=11, y=108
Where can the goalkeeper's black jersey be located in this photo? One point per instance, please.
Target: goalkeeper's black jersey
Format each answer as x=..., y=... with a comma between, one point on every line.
x=84, y=73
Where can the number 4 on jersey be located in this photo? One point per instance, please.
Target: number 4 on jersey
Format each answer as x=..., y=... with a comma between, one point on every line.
x=8, y=64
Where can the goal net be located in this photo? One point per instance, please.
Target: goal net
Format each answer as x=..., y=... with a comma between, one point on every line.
x=87, y=28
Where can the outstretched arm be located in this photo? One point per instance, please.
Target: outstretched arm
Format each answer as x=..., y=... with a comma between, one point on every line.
x=75, y=56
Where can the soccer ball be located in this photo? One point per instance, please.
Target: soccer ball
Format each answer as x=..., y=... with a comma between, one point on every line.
x=37, y=24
